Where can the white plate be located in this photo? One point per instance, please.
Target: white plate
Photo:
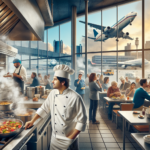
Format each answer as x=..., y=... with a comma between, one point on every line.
x=145, y=140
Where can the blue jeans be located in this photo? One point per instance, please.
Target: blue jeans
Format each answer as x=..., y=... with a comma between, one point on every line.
x=92, y=110
x=110, y=108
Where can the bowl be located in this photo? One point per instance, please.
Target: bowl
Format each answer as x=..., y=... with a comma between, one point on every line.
x=37, y=95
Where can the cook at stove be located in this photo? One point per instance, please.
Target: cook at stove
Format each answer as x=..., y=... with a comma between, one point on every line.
x=68, y=113
x=19, y=74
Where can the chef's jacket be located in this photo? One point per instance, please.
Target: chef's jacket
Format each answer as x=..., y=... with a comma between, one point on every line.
x=79, y=86
x=23, y=72
x=67, y=110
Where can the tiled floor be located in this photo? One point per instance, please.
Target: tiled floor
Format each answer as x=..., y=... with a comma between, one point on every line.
x=104, y=136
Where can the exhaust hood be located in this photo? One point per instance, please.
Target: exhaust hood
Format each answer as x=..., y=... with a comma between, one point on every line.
x=24, y=19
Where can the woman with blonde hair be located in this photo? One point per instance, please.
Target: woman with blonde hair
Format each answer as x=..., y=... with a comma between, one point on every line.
x=94, y=87
x=101, y=79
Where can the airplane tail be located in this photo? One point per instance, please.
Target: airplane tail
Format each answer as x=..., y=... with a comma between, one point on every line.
x=95, y=32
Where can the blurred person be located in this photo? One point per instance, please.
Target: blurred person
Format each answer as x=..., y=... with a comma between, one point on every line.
x=131, y=90
x=137, y=82
x=94, y=87
x=35, y=81
x=127, y=80
x=140, y=95
x=101, y=79
x=40, y=78
x=105, y=84
x=112, y=91
x=47, y=82
x=19, y=74
x=87, y=80
x=124, y=85
x=80, y=84
x=98, y=76
x=68, y=112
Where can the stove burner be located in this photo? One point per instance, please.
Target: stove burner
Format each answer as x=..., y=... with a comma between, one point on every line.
x=6, y=114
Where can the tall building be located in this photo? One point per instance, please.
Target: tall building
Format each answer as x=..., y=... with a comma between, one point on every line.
x=56, y=46
x=79, y=50
x=128, y=47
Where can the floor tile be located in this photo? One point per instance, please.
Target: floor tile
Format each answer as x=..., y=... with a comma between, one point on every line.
x=105, y=131
x=111, y=145
x=84, y=135
x=103, y=128
x=94, y=131
x=126, y=145
x=95, y=135
x=84, y=139
x=109, y=140
x=107, y=135
x=98, y=145
x=83, y=144
x=99, y=148
x=96, y=140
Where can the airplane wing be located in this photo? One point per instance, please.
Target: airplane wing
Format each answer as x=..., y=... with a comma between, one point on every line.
x=124, y=37
x=90, y=38
x=128, y=37
x=94, y=25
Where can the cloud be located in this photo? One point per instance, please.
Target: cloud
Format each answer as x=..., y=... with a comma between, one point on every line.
x=66, y=49
x=134, y=31
x=50, y=47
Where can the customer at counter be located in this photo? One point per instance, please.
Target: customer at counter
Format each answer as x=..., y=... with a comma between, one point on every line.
x=131, y=90
x=140, y=95
x=137, y=82
x=113, y=91
x=80, y=84
x=124, y=85
x=46, y=82
x=94, y=87
x=105, y=84
x=35, y=81
x=68, y=112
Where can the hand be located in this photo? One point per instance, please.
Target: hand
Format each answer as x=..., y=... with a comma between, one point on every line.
x=79, y=79
x=28, y=124
x=14, y=74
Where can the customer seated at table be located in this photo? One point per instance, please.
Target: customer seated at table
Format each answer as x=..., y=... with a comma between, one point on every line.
x=35, y=81
x=124, y=85
x=140, y=95
x=94, y=87
x=127, y=80
x=113, y=90
x=137, y=82
x=131, y=90
x=47, y=82
x=105, y=84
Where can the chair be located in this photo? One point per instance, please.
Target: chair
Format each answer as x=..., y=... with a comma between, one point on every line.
x=141, y=128
x=123, y=107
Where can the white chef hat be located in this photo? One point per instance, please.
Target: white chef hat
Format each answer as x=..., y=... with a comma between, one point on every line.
x=122, y=78
x=63, y=71
x=81, y=72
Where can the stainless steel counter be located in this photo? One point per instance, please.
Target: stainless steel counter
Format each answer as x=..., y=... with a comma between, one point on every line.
x=40, y=126
x=30, y=104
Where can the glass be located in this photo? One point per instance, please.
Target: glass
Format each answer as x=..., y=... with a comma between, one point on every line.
x=130, y=26
x=129, y=66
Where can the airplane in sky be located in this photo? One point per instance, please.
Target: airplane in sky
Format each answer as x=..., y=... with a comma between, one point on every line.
x=111, y=32
x=133, y=63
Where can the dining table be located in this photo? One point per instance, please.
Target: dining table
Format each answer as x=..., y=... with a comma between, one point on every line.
x=132, y=119
x=101, y=96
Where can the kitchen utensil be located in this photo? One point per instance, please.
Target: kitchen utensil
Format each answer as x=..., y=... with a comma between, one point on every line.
x=40, y=90
x=5, y=107
x=30, y=92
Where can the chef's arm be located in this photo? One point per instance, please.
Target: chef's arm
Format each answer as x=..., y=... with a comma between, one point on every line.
x=30, y=123
x=18, y=76
x=74, y=134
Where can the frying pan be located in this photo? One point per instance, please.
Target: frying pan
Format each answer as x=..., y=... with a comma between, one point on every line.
x=6, y=135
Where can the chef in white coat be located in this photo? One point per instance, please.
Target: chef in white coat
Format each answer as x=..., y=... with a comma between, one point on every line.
x=68, y=112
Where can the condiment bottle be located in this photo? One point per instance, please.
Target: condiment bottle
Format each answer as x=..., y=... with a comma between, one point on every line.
x=143, y=111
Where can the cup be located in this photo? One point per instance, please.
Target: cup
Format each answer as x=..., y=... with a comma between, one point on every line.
x=104, y=90
x=128, y=97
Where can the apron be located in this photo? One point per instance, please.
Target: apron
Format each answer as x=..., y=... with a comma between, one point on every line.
x=61, y=144
x=19, y=81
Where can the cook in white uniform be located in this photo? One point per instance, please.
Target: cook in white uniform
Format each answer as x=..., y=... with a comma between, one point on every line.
x=68, y=113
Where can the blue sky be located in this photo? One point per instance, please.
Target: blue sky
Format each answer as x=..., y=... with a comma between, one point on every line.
x=109, y=18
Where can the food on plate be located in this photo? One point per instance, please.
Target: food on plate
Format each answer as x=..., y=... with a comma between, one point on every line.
x=122, y=96
x=9, y=126
x=114, y=97
x=26, y=98
x=26, y=114
x=35, y=99
x=141, y=116
x=5, y=103
x=148, y=136
x=44, y=96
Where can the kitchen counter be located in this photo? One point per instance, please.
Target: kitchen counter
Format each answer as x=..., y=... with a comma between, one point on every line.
x=37, y=130
x=30, y=104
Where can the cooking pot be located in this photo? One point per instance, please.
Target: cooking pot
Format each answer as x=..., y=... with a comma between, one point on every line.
x=30, y=92
x=5, y=107
x=26, y=118
x=6, y=135
x=40, y=90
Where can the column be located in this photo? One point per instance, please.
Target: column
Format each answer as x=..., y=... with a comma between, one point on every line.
x=86, y=23
x=73, y=43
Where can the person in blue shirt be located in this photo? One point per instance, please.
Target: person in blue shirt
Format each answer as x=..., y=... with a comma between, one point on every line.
x=105, y=85
x=80, y=84
x=140, y=95
x=35, y=81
